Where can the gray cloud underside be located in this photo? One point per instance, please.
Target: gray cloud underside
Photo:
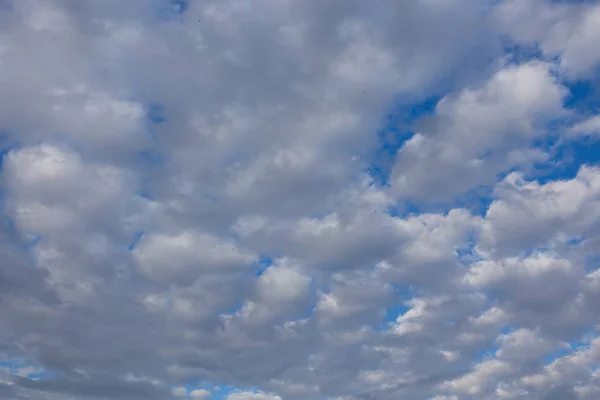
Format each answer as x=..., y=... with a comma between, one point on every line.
x=270, y=116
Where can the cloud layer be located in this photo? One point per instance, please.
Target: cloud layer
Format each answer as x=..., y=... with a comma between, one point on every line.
x=328, y=200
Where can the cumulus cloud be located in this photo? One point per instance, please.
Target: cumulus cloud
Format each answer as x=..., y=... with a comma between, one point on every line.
x=195, y=205
x=560, y=28
x=480, y=132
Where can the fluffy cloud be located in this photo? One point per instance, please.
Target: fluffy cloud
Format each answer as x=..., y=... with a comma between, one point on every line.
x=194, y=204
x=559, y=28
x=480, y=132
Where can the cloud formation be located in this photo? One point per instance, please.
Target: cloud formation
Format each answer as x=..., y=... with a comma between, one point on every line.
x=197, y=202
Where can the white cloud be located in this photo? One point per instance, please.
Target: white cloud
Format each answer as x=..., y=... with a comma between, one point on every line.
x=252, y=396
x=478, y=133
x=588, y=127
x=164, y=257
x=151, y=162
x=180, y=391
x=200, y=394
x=483, y=375
x=569, y=31
x=54, y=189
x=528, y=215
x=282, y=283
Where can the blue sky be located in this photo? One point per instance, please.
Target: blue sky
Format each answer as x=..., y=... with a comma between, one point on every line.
x=299, y=200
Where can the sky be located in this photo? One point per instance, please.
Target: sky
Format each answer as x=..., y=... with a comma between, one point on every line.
x=299, y=200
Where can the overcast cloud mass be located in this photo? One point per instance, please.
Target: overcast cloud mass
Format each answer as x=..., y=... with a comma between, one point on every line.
x=299, y=199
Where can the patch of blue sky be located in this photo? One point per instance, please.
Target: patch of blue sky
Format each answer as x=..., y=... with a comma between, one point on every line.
x=6, y=146
x=22, y=368
x=487, y=354
x=190, y=387
x=507, y=329
x=468, y=255
x=152, y=157
x=576, y=241
x=407, y=209
x=584, y=95
x=264, y=262
x=179, y=6
x=517, y=54
x=155, y=113
x=591, y=263
x=172, y=9
x=553, y=356
x=310, y=310
x=3, y=153
x=26, y=241
x=391, y=315
x=574, y=346
x=397, y=128
x=232, y=310
x=476, y=200
x=9, y=364
x=218, y=391
x=226, y=390
x=403, y=293
x=144, y=194
x=567, y=159
x=537, y=251
x=490, y=352
x=136, y=239
x=32, y=242
x=566, y=156
x=41, y=375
